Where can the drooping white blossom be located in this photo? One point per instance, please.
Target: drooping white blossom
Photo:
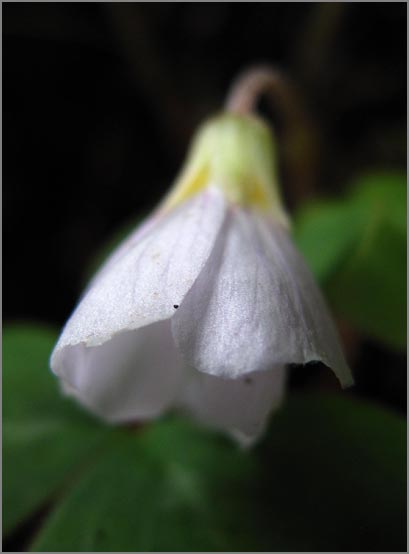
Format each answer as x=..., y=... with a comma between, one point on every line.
x=202, y=308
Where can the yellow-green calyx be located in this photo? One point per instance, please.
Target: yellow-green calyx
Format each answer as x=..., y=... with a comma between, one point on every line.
x=236, y=154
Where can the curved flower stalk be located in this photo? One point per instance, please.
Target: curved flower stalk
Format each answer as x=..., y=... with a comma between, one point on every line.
x=203, y=306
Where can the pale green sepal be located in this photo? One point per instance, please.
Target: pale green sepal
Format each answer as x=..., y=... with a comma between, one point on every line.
x=235, y=153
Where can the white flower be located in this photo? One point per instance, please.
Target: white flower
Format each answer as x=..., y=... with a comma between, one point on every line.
x=205, y=304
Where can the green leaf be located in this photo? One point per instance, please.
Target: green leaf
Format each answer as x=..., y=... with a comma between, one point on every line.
x=337, y=476
x=357, y=249
x=385, y=194
x=46, y=438
x=330, y=476
x=325, y=233
x=141, y=498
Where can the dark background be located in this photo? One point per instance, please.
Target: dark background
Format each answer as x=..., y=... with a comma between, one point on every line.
x=100, y=101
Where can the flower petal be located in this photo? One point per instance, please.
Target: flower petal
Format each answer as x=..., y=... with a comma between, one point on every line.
x=239, y=406
x=135, y=375
x=143, y=281
x=318, y=337
x=255, y=305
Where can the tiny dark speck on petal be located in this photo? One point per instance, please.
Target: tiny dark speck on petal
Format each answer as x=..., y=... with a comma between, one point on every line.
x=176, y=306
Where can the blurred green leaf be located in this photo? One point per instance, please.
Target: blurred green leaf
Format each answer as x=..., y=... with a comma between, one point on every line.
x=143, y=497
x=46, y=438
x=337, y=475
x=357, y=249
x=330, y=476
x=325, y=233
